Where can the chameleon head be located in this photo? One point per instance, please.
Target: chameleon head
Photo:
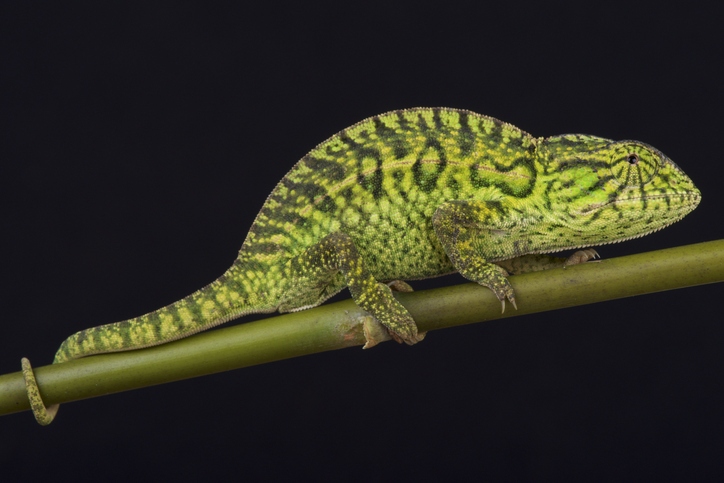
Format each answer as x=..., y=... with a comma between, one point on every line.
x=616, y=190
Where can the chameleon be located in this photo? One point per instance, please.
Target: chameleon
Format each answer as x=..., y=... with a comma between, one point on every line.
x=413, y=194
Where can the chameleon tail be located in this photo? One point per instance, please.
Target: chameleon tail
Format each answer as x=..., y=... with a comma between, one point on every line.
x=222, y=300
x=43, y=415
x=227, y=298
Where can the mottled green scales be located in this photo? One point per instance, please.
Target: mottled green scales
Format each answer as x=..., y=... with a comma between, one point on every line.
x=414, y=194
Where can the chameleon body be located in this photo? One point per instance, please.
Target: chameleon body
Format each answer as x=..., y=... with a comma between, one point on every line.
x=413, y=194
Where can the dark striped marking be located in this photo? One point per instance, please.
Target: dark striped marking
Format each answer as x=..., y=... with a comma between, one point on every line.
x=310, y=190
x=347, y=194
x=383, y=131
x=422, y=124
x=466, y=137
x=437, y=120
x=399, y=176
x=371, y=182
x=403, y=122
x=326, y=204
x=329, y=169
x=480, y=177
x=157, y=327
x=267, y=230
x=400, y=149
x=425, y=179
x=351, y=143
x=266, y=248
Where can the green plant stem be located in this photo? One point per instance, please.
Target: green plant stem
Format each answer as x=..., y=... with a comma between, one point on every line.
x=339, y=325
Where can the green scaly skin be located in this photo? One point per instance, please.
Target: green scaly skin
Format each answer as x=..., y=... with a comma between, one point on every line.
x=414, y=194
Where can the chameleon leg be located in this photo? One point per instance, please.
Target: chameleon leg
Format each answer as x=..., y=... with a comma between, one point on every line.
x=43, y=415
x=470, y=234
x=336, y=254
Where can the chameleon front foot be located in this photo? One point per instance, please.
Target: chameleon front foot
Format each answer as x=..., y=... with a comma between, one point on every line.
x=510, y=297
x=495, y=278
x=44, y=415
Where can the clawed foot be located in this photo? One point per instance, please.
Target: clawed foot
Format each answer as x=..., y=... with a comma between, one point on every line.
x=375, y=333
x=497, y=282
x=581, y=256
x=400, y=286
x=511, y=299
x=411, y=337
x=394, y=321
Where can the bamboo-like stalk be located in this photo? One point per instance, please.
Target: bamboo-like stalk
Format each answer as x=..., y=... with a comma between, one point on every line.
x=340, y=325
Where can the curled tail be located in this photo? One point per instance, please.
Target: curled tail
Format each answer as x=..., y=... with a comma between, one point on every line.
x=230, y=296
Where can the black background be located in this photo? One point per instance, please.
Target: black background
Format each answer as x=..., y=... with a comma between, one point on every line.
x=138, y=142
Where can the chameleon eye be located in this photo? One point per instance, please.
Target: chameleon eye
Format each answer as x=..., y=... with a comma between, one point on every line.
x=633, y=163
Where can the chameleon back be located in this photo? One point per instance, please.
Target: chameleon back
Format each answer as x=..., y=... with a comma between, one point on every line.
x=381, y=180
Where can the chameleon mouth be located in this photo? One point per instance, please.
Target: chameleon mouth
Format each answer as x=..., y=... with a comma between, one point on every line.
x=688, y=201
x=614, y=241
x=619, y=240
x=687, y=195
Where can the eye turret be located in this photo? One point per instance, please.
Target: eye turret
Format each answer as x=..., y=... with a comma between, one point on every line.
x=634, y=164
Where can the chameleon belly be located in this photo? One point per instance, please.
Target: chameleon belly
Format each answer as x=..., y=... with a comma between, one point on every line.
x=414, y=194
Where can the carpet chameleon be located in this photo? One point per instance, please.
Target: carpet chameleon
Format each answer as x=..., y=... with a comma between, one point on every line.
x=412, y=194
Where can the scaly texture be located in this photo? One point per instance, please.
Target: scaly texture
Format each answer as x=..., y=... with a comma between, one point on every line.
x=414, y=194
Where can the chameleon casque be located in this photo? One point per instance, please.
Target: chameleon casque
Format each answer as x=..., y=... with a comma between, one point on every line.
x=413, y=194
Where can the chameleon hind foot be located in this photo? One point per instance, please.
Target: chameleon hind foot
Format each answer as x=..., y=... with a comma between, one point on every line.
x=392, y=315
x=403, y=287
x=44, y=415
x=581, y=256
x=375, y=333
x=400, y=286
